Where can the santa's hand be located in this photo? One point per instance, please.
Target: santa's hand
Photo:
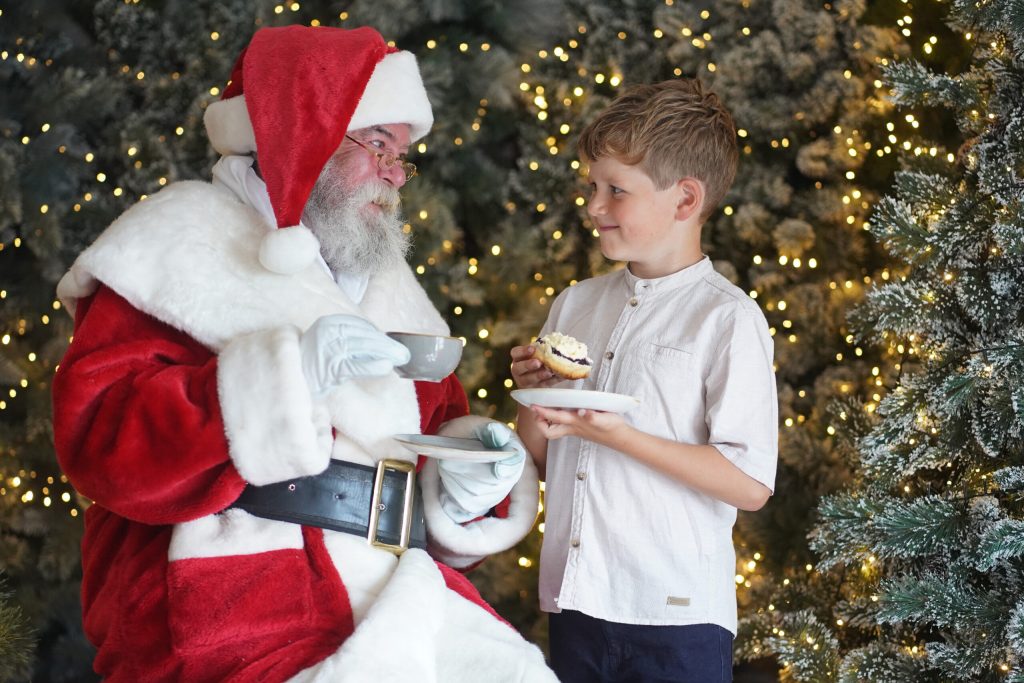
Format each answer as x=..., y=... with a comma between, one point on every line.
x=470, y=489
x=337, y=348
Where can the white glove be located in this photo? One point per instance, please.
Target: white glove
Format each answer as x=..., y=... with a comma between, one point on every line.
x=340, y=347
x=470, y=489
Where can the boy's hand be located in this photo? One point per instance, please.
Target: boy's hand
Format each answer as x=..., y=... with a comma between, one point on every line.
x=528, y=372
x=593, y=425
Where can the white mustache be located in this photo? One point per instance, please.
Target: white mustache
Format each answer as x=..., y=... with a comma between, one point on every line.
x=379, y=193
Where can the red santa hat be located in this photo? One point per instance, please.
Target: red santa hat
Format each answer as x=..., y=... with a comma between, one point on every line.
x=294, y=93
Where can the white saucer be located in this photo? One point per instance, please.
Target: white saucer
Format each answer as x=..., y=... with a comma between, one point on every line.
x=576, y=398
x=451, y=448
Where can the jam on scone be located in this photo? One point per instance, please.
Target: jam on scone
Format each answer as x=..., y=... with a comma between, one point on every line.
x=563, y=355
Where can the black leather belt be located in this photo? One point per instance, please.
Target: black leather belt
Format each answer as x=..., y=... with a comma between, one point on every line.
x=381, y=503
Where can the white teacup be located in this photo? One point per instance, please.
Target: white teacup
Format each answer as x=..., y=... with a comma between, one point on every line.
x=433, y=357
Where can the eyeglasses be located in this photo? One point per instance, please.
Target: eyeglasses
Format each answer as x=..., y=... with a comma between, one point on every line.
x=386, y=160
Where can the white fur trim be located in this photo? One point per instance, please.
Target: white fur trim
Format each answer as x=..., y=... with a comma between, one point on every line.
x=485, y=644
x=188, y=257
x=461, y=545
x=436, y=635
x=400, y=304
x=408, y=612
x=371, y=411
x=364, y=569
x=228, y=126
x=288, y=250
x=76, y=284
x=395, y=94
x=232, y=532
x=275, y=431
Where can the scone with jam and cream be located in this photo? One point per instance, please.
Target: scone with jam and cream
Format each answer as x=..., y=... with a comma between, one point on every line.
x=563, y=355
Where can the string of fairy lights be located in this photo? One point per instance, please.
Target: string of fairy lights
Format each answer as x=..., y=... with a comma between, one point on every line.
x=473, y=265
x=32, y=489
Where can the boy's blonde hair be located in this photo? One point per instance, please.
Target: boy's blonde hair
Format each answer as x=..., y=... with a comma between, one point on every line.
x=672, y=130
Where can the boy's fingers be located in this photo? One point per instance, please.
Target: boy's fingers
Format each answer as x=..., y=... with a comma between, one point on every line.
x=554, y=414
x=553, y=430
x=530, y=370
x=521, y=352
x=523, y=366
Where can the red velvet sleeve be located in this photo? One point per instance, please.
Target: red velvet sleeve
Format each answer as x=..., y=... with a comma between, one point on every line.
x=440, y=402
x=137, y=422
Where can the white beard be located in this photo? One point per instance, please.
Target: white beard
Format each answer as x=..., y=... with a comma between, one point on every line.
x=353, y=238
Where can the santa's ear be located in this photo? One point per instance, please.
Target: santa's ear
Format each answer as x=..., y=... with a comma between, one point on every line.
x=690, y=193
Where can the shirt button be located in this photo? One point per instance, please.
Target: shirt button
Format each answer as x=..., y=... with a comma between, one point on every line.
x=633, y=301
x=609, y=355
x=575, y=543
x=581, y=475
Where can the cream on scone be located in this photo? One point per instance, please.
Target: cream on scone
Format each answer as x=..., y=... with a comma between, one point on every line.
x=563, y=355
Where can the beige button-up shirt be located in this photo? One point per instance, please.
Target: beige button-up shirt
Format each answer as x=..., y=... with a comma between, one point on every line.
x=623, y=542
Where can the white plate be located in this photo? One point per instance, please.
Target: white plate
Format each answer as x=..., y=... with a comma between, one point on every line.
x=451, y=448
x=576, y=398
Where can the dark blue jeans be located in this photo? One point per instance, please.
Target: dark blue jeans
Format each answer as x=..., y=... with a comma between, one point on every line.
x=588, y=650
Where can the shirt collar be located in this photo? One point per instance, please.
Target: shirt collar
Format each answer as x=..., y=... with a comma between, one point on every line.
x=667, y=283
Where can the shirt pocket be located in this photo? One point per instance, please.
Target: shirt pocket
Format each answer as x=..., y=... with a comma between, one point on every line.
x=665, y=381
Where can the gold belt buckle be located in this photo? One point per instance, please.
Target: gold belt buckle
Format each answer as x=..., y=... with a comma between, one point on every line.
x=407, y=507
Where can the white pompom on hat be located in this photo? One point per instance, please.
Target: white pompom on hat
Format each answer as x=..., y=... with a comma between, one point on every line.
x=294, y=93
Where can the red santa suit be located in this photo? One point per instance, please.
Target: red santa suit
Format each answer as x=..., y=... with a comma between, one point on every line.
x=182, y=385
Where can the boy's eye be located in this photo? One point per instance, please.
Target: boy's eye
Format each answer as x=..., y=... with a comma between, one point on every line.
x=616, y=190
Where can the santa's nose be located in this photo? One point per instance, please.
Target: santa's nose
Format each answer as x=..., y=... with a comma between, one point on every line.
x=394, y=175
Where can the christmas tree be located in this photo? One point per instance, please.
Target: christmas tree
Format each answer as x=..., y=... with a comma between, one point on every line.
x=44, y=125
x=923, y=553
x=14, y=638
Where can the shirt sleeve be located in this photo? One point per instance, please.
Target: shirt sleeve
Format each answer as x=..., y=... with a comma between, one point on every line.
x=741, y=401
x=555, y=312
x=440, y=402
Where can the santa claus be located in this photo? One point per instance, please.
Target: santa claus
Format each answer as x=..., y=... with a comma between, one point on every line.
x=229, y=402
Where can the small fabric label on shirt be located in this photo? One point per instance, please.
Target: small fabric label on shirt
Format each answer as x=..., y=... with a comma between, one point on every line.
x=678, y=602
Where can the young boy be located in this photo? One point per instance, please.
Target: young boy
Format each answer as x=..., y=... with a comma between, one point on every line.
x=637, y=564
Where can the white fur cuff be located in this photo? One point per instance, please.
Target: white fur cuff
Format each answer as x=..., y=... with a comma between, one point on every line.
x=275, y=431
x=459, y=546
